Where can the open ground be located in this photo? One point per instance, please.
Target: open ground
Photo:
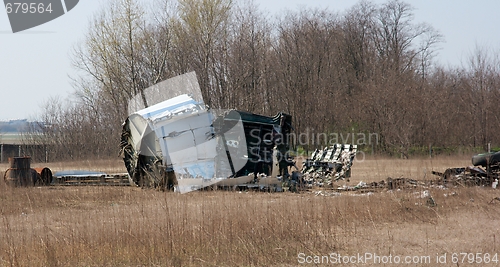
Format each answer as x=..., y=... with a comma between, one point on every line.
x=128, y=226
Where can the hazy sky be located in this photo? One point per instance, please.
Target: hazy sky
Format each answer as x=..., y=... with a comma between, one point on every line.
x=35, y=64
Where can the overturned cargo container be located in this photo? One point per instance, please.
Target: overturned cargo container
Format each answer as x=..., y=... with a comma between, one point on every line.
x=171, y=139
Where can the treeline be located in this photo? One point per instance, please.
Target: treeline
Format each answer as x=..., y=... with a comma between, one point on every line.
x=369, y=69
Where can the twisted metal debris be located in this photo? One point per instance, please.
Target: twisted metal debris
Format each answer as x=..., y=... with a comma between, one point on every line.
x=329, y=165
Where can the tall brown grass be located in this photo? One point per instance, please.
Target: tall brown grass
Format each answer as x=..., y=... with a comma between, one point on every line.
x=127, y=226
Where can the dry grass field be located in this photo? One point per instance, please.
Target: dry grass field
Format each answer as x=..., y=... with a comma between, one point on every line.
x=126, y=226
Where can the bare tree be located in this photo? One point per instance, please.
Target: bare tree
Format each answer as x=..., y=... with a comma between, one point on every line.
x=111, y=56
x=201, y=32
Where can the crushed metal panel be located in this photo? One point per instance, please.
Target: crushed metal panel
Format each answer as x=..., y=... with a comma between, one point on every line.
x=189, y=147
x=147, y=136
x=182, y=128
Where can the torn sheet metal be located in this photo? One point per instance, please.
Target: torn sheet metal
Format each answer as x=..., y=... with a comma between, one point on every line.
x=329, y=164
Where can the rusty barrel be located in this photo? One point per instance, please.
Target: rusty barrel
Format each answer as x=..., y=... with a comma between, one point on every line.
x=20, y=173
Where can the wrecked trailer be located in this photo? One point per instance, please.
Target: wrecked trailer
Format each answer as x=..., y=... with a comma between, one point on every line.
x=171, y=139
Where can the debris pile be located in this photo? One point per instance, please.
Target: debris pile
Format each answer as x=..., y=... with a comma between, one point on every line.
x=485, y=172
x=389, y=184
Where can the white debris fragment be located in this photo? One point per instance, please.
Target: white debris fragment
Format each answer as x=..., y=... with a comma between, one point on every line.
x=422, y=194
x=360, y=185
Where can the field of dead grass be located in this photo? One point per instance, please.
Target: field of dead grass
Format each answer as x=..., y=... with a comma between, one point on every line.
x=127, y=226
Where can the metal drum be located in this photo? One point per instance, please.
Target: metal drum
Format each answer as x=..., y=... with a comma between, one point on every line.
x=20, y=173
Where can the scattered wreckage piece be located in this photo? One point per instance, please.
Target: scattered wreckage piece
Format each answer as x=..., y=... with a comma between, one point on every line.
x=388, y=184
x=402, y=183
x=84, y=178
x=494, y=199
x=485, y=172
x=329, y=165
x=468, y=176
